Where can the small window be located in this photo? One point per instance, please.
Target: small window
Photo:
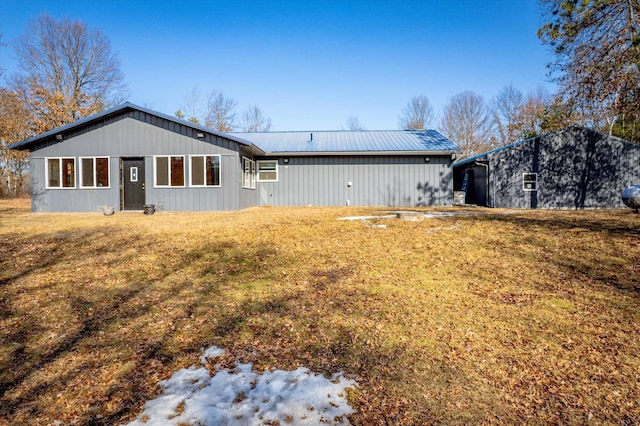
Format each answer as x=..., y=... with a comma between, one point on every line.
x=61, y=172
x=169, y=171
x=205, y=170
x=530, y=181
x=249, y=173
x=94, y=172
x=267, y=170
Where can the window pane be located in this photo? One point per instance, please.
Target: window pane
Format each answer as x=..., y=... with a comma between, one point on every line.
x=53, y=167
x=197, y=171
x=162, y=171
x=68, y=173
x=102, y=172
x=177, y=171
x=253, y=174
x=86, y=164
x=266, y=165
x=213, y=171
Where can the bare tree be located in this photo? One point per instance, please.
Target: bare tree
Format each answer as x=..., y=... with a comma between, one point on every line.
x=220, y=113
x=191, y=109
x=529, y=115
x=353, y=123
x=417, y=114
x=467, y=122
x=254, y=120
x=505, y=108
x=597, y=62
x=67, y=71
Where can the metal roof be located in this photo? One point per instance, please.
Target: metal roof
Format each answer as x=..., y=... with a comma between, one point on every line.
x=484, y=155
x=352, y=142
x=25, y=144
x=292, y=143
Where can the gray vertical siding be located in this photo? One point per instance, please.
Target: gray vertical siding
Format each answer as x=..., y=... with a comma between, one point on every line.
x=376, y=181
x=136, y=137
x=577, y=168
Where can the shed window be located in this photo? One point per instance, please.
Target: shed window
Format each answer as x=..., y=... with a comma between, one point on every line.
x=530, y=181
x=249, y=173
x=61, y=172
x=267, y=170
x=169, y=171
x=94, y=172
x=205, y=170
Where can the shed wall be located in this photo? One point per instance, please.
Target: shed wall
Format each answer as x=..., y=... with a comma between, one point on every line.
x=375, y=181
x=576, y=167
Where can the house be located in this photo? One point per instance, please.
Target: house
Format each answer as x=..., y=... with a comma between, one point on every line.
x=128, y=157
x=572, y=168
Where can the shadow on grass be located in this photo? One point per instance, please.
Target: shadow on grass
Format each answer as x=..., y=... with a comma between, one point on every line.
x=155, y=320
x=605, y=270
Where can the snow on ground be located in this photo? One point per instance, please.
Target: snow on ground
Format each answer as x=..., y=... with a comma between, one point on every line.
x=196, y=396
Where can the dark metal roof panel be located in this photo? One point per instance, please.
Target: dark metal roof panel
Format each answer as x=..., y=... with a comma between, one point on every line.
x=351, y=141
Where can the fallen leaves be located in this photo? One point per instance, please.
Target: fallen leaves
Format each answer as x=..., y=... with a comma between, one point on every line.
x=466, y=319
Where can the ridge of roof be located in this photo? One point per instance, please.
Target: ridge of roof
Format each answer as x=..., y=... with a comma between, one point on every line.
x=115, y=110
x=502, y=148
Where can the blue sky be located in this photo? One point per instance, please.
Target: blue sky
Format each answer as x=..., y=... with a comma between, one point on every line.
x=309, y=64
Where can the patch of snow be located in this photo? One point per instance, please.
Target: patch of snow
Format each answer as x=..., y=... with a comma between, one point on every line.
x=242, y=397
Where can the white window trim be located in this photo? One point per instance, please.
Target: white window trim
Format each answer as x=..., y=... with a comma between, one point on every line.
x=205, y=171
x=258, y=162
x=252, y=173
x=523, y=182
x=46, y=172
x=95, y=173
x=155, y=171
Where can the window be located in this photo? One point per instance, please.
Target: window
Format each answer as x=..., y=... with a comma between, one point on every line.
x=169, y=171
x=249, y=173
x=530, y=181
x=205, y=170
x=267, y=170
x=94, y=172
x=61, y=172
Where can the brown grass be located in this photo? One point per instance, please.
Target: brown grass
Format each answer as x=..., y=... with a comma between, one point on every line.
x=529, y=317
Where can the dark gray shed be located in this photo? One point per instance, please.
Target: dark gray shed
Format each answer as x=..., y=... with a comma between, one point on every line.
x=572, y=168
x=128, y=157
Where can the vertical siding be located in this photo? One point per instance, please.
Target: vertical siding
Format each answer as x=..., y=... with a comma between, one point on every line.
x=577, y=168
x=376, y=181
x=136, y=137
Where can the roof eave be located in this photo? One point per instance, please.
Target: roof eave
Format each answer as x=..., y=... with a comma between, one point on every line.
x=339, y=153
x=28, y=143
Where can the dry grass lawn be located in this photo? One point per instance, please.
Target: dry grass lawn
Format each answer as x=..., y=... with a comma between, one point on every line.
x=531, y=317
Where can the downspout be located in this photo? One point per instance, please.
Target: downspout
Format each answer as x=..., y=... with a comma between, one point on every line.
x=486, y=187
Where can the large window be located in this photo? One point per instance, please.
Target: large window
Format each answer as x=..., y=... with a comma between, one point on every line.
x=249, y=173
x=530, y=181
x=205, y=170
x=267, y=170
x=61, y=172
x=169, y=171
x=94, y=172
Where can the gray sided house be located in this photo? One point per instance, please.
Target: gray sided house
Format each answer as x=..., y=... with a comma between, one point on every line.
x=573, y=168
x=128, y=157
x=362, y=168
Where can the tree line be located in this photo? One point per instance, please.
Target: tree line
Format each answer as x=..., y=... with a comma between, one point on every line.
x=68, y=71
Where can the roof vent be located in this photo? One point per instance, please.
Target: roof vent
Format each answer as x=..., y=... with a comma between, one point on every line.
x=310, y=137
